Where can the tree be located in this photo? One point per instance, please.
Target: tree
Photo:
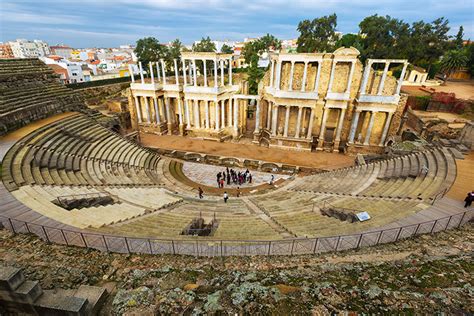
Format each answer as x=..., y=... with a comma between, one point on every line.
x=452, y=61
x=255, y=74
x=205, y=45
x=317, y=35
x=470, y=55
x=226, y=49
x=149, y=49
x=348, y=40
x=174, y=52
x=458, y=41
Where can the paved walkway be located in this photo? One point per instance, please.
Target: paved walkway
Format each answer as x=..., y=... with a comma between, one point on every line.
x=251, y=151
x=207, y=175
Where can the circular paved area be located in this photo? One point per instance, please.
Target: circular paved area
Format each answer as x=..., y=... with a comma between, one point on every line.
x=207, y=175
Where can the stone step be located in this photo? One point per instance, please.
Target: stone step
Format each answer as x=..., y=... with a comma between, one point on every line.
x=95, y=296
x=56, y=303
x=456, y=153
x=29, y=291
x=11, y=278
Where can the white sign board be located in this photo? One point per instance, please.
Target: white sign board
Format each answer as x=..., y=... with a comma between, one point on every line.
x=363, y=216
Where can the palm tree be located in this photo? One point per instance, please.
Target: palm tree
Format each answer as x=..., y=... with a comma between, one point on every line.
x=452, y=61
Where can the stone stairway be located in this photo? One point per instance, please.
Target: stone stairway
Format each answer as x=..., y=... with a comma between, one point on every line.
x=19, y=296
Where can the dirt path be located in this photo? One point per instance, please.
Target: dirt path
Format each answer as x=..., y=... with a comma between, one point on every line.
x=243, y=150
x=464, y=178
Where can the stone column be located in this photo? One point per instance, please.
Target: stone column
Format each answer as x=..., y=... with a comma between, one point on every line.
x=141, y=72
x=298, y=122
x=339, y=128
x=216, y=106
x=323, y=128
x=388, y=120
x=152, y=76
x=305, y=73
x=190, y=72
x=222, y=113
x=292, y=71
x=206, y=112
x=168, y=114
x=310, y=125
x=274, y=120
x=287, y=121
x=130, y=71
x=138, y=109
x=205, y=73
x=197, y=123
x=180, y=110
x=355, y=121
x=186, y=108
x=157, y=111
x=184, y=72
x=382, y=80
x=369, y=128
x=236, y=115
x=351, y=74
x=147, y=107
x=257, y=116
x=222, y=72
x=318, y=74
x=400, y=81
x=194, y=73
x=215, y=73
x=230, y=123
x=365, y=78
x=278, y=74
x=331, y=78
x=163, y=71
x=176, y=75
x=269, y=115
x=230, y=71
x=271, y=73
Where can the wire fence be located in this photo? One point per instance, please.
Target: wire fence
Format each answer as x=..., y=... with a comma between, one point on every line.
x=211, y=248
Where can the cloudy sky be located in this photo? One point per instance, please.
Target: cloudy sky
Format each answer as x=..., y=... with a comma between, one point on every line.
x=108, y=23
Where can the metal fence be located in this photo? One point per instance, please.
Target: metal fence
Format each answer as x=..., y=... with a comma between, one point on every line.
x=210, y=248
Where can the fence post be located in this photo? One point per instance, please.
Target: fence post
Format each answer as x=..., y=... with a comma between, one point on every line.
x=84, y=240
x=434, y=225
x=197, y=248
x=292, y=246
x=149, y=244
x=269, y=247
x=416, y=230
x=11, y=224
x=28, y=228
x=45, y=234
x=337, y=244
x=315, y=245
x=449, y=220
x=398, y=234
x=359, y=241
x=378, y=238
x=460, y=222
x=62, y=233
x=172, y=244
x=126, y=244
x=222, y=249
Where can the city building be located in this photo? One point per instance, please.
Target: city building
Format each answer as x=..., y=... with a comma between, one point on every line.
x=6, y=51
x=73, y=73
x=62, y=50
x=22, y=48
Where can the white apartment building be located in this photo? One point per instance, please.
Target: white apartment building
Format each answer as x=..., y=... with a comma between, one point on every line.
x=74, y=70
x=22, y=48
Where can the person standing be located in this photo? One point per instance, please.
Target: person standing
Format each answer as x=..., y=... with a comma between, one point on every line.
x=272, y=179
x=469, y=198
x=200, y=193
x=226, y=197
x=238, y=192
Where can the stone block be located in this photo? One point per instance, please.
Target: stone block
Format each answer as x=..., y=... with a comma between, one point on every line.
x=11, y=278
x=95, y=296
x=53, y=303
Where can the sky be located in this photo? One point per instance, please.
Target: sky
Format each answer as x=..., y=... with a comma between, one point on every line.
x=110, y=23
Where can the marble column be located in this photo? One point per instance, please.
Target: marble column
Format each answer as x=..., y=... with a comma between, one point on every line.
x=287, y=121
x=236, y=115
x=158, y=72
x=196, y=114
x=305, y=74
x=365, y=78
x=355, y=121
x=163, y=71
x=331, y=78
x=180, y=110
x=230, y=71
x=292, y=71
x=278, y=75
x=190, y=72
x=130, y=72
x=168, y=114
x=318, y=75
x=216, y=106
x=351, y=74
x=271, y=73
x=194, y=73
x=274, y=120
x=147, y=107
x=388, y=120
x=222, y=114
x=298, y=122
x=205, y=73
x=400, y=81
x=152, y=76
x=323, y=128
x=269, y=115
x=206, y=111
x=257, y=116
x=340, y=123
x=138, y=109
x=176, y=73
x=310, y=125
x=157, y=112
x=141, y=72
x=184, y=72
x=186, y=108
x=382, y=80
x=215, y=73
x=230, y=112
x=369, y=128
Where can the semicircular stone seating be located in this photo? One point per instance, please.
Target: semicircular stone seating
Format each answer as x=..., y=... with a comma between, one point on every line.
x=76, y=156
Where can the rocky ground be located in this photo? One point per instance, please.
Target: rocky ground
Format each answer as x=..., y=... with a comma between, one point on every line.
x=425, y=275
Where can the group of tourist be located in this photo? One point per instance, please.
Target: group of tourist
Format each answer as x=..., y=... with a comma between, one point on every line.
x=231, y=176
x=469, y=198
